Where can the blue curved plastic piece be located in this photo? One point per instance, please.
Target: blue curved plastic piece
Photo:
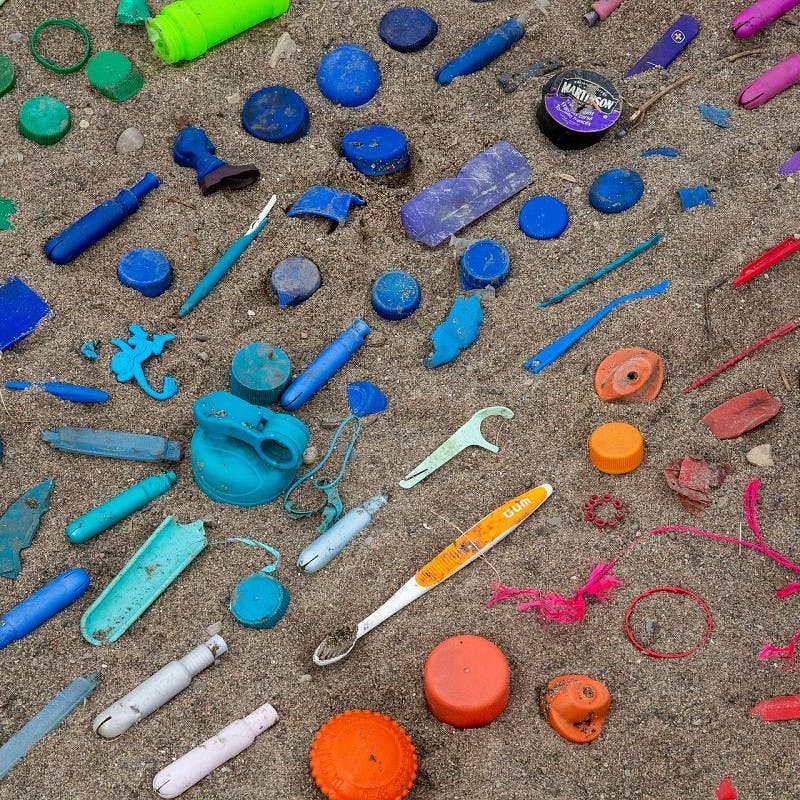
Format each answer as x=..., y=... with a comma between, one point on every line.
x=19, y=524
x=395, y=295
x=72, y=392
x=667, y=152
x=21, y=310
x=127, y=364
x=376, y=150
x=407, y=29
x=88, y=350
x=616, y=190
x=276, y=114
x=692, y=196
x=457, y=332
x=322, y=201
x=348, y=75
x=365, y=398
x=485, y=263
x=543, y=217
x=294, y=280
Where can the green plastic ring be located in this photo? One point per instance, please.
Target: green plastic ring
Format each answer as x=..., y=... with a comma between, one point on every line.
x=72, y=25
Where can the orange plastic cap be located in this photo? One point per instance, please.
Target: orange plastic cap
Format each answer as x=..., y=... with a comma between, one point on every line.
x=467, y=681
x=576, y=707
x=630, y=375
x=616, y=448
x=363, y=755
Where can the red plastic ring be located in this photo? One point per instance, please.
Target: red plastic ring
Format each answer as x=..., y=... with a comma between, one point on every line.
x=670, y=590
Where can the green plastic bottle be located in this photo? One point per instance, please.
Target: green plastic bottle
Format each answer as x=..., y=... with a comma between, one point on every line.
x=185, y=29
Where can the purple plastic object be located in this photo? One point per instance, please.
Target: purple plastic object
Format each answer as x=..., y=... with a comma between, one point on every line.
x=791, y=166
x=21, y=310
x=451, y=204
x=757, y=16
x=770, y=83
x=668, y=47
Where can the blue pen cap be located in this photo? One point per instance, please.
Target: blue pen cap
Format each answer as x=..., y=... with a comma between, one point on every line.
x=348, y=75
x=259, y=601
x=395, y=295
x=543, y=217
x=407, y=29
x=484, y=263
x=147, y=271
x=276, y=114
x=376, y=150
x=259, y=373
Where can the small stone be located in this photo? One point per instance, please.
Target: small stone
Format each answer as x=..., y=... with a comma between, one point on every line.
x=130, y=140
x=16, y=37
x=761, y=456
x=250, y=312
x=201, y=336
x=310, y=455
x=375, y=339
x=554, y=522
x=332, y=423
x=84, y=124
x=20, y=157
x=285, y=46
x=234, y=99
x=203, y=356
x=304, y=678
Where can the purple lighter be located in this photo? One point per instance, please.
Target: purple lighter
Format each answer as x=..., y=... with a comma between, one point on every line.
x=756, y=17
x=770, y=83
x=669, y=46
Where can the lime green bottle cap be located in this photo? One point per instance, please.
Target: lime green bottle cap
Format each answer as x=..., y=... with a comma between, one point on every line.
x=112, y=74
x=44, y=120
x=7, y=75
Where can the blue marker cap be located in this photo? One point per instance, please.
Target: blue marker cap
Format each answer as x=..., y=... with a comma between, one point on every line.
x=259, y=373
x=348, y=75
x=259, y=601
x=147, y=271
x=295, y=279
x=376, y=150
x=276, y=114
x=407, y=29
x=543, y=217
x=395, y=295
x=484, y=263
x=616, y=190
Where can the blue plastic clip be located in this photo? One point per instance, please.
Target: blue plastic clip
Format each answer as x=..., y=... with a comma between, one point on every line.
x=127, y=364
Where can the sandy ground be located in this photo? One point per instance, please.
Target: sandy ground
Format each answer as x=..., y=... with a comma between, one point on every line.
x=676, y=727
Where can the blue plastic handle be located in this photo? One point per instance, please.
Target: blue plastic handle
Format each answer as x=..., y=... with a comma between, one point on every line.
x=64, y=391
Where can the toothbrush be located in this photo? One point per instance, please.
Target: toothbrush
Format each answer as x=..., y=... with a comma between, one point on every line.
x=475, y=542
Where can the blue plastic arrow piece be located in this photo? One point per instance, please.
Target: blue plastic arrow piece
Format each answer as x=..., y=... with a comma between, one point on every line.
x=720, y=117
x=322, y=201
x=19, y=524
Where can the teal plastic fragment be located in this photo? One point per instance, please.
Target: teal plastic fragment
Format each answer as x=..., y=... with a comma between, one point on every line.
x=133, y=12
x=88, y=350
x=457, y=332
x=19, y=524
x=720, y=117
x=157, y=563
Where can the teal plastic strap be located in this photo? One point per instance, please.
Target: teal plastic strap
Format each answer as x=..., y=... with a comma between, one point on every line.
x=255, y=543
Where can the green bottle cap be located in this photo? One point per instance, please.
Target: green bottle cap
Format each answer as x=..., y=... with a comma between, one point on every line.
x=112, y=74
x=7, y=76
x=44, y=120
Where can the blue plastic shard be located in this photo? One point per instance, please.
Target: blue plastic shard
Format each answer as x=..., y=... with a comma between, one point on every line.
x=457, y=332
x=19, y=524
x=88, y=350
x=484, y=182
x=21, y=310
x=667, y=152
x=322, y=201
x=720, y=117
x=692, y=196
x=366, y=398
x=127, y=364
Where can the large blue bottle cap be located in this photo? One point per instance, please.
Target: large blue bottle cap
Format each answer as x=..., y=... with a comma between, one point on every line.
x=616, y=190
x=348, y=75
x=376, y=150
x=407, y=29
x=295, y=279
x=259, y=601
x=543, y=217
x=395, y=295
x=484, y=263
x=276, y=114
x=259, y=373
x=147, y=271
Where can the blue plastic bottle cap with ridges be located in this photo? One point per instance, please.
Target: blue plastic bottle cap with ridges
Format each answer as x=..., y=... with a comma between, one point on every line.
x=259, y=601
x=376, y=150
x=616, y=190
x=543, y=217
x=484, y=263
x=259, y=373
x=147, y=271
x=294, y=280
x=407, y=29
x=276, y=114
x=395, y=295
x=348, y=75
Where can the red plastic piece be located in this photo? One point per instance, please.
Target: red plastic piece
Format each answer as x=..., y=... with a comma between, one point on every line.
x=596, y=501
x=741, y=414
x=767, y=260
x=692, y=479
x=778, y=709
x=726, y=791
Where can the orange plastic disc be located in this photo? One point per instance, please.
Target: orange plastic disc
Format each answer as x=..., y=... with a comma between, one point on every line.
x=616, y=448
x=631, y=375
x=576, y=707
x=363, y=755
x=467, y=681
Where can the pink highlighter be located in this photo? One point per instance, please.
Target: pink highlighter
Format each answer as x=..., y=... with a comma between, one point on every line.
x=756, y=17
x=601, y=9
x=770, y=83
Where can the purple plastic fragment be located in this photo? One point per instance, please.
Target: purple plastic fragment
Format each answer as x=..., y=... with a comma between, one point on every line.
x=21, y=310
x=668, y=47
x=791, y=166
x=484, y=182
x=322, y=201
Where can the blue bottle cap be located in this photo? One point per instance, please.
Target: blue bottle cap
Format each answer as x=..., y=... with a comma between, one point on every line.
x=616, y=190
x=259, y=601
x=543, y=217
x=295, y=279
x=147, y=271
x=348, y=75
x=376, y=150
x=276, y=114
x=395, y=295
x=484, y=263
x=407, y=29
x=259, y=373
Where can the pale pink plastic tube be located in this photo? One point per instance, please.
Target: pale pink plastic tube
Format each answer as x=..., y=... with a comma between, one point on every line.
x=770, y=83
x=756, y=17
x=601, y=10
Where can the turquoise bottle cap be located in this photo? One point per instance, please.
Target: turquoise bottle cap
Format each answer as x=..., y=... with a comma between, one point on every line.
x=44, y=120
x=147, y=271
x=484, y=263
x=113, y=74
x=259, y=601
x=259, y=373
x=395, y=295
x=7, y=75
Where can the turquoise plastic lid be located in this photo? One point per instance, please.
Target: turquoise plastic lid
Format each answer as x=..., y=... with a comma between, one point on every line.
x=259, y=373
x=259, y=601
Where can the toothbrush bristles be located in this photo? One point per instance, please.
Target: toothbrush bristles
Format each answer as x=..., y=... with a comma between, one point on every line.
x=336, y=644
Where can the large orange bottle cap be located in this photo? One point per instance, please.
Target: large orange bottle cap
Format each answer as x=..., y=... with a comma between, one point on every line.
x=363, y=755
x=632, y=375
x=576, y=707
x=616, y=448
x=467, y=681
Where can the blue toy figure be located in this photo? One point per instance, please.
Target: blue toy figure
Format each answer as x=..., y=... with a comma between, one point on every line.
x=194, y=149
x=127, y=364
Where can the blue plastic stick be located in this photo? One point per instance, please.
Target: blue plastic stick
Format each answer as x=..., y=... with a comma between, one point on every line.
x=549, y=354
x=113, y=444
x=64, y=391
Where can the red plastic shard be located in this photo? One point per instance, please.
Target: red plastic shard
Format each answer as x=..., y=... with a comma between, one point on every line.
x=741, y=414
x=691, y=479
x=726, y=790
x=778, y=709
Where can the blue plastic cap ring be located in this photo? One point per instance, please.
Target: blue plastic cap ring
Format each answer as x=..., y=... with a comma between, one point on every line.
x=543, y=217
x=395, y=295
x=147, y=271
x=484, y=263
x=407, y=29
x=616, y=190
x=259, y=373
x=376, y=150
x=276, y=114
x=348, y=75
x=259, y=601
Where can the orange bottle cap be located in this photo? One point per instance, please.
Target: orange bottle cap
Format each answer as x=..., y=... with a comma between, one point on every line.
x=616, y=448
x=363, y=755
x=467, y=681
x=632, y=375
x=576, y=707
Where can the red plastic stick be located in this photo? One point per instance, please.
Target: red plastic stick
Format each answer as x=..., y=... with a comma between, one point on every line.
x=767, y=260
x=777, y=709
x=787, y=327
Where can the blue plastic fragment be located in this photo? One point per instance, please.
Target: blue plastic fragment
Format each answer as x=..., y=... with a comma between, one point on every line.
x=458, y=331
x=72, y=392
x=376, y=150
x=322, y=201
x=259, y=601
x=485, y=263
x=147, y=271
x=407, y=29
x=692, y=196
x=720, y=117
x=667, y=152
x=543, y=217
x=294, y=280
x=348, y=75
x=395, y=295
x=127, y=364
x=21, y=310
x=484, y=182
x=366, y=398
x=88, y=350
x=616, y=190
x=276, y=114
x=19, y=524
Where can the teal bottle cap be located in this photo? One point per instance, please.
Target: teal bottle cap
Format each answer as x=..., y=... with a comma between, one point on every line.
x=113, y=74
x=44, y=120
x=259, y=601
x=259, y=373
x=7, y=75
